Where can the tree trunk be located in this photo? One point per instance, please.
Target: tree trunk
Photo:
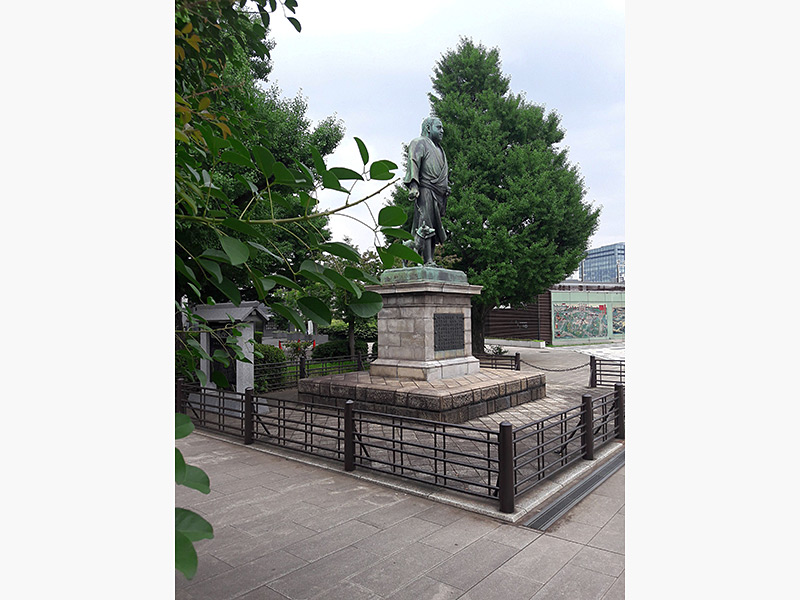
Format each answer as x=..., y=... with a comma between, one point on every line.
x=480, y=315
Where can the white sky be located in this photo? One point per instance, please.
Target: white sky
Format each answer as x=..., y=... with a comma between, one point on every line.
x=371, y=63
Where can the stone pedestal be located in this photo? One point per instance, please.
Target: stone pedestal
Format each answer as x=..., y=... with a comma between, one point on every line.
x=424, y=328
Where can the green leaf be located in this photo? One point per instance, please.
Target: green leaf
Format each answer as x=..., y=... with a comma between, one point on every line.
x=341, y=250
x=212, y=268
x=368, y=305
x=316, y=277
x=217, y=255
x=404, y=252
x=237, y=251
x=291, y=315
x=237, y=159
x=201, y=377
x=185, y=555
x=185, y=271
x=241, y=227
x=343, y=282
x=180, y=467
x=240, y=178
x=264, y=17
x=192, y=525
x=283, y=176
x=331, y=182
x=315, y=310
x=354, y=273
x=220, y=380
x=196, y=345
x=265, y=161
x=319, y=164
x=284, y=281
x=392, y=216
x=183, y=426
x=397, y=233
x=362, y=150
x=294, y=22
x=386, y=258
x=196, y=479
x=258, y=246
x=227, y=287
x=381, y=170
x=343, y=173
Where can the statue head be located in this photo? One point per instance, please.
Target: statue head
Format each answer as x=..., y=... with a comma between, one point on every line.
x=432, y=128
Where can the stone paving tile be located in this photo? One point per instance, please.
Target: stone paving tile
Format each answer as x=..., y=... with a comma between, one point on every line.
x=459, y=534
x=504, y=585
x=542, y=558
x=574, y=531
x=575, y=582
x=512, y=535
x=602, y=561
x=616, y=591
x=391, y=514
x=596, y=510
x=319, y=545
x=261, y=593
x=397, y=536
x=321, y=575
x=612, y=536
x=467, y=567
x=427, y=589
x=399, y=569
x=207, y=567
x=441, y=514
x=245, y=548
x=347, y=591
x=245, y=578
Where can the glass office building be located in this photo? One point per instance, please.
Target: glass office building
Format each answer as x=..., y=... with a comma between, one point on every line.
x=604, y=264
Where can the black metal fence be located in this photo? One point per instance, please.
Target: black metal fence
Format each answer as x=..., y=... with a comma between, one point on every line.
x=495, y=464
x=281, y=375
x=500, y=361
x=606, y=372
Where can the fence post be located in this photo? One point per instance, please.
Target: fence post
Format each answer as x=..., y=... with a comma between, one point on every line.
x=248, y=416
x=359, y=362
x=349, y=437
x=506, y=468
x=588, y=426
x=593, y=372
x=517, y=362
x=179, y=395
x=619, y=389
x=302, y=366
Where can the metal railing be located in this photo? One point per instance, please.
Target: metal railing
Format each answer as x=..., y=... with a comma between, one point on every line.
x=501, y=464
x=455, y=457
x=500, y=361
x=606, y=372
x=282, y=375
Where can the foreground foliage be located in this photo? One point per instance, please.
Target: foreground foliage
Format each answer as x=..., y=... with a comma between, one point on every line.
x=247, y=219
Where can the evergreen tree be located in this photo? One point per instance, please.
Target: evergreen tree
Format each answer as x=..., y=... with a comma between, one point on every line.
x=516, y=215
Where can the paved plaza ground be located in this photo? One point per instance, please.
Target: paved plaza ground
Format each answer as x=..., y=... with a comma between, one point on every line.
x=289, y=529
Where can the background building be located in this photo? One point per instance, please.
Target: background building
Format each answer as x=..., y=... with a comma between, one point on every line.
x=604, y=264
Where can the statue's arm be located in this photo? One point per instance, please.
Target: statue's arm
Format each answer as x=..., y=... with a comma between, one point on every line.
x=413, y=167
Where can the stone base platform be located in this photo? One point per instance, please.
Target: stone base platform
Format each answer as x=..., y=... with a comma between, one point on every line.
x=454, y=400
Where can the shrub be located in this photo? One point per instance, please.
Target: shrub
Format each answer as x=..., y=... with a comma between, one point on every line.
x=338, y=348
x=269, y=377
x=364, y=330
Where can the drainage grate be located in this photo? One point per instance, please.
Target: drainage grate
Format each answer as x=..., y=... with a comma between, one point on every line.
x=559, y=507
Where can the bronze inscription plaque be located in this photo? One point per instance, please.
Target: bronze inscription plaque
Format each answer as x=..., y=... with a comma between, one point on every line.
x=448, y=331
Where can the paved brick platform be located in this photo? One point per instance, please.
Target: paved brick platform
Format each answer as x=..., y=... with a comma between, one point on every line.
x=454, y=400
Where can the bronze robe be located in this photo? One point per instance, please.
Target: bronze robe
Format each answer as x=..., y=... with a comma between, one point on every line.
x=427, y=166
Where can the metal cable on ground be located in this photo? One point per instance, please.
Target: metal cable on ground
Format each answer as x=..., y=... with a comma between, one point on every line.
x=557, y=370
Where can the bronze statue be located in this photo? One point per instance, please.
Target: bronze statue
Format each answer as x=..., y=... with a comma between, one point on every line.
x=428, y=187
